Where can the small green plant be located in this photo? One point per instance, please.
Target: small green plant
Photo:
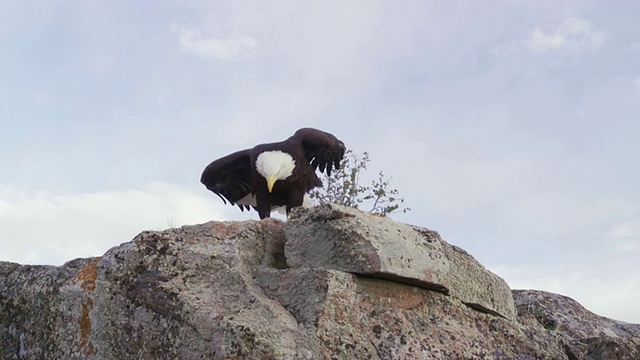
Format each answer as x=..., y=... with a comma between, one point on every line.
x=343, y=187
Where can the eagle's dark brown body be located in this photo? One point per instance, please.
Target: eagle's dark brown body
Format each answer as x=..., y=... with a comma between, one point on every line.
x=291, y=163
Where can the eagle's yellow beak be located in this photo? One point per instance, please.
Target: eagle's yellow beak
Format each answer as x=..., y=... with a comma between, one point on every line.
x=270, y=181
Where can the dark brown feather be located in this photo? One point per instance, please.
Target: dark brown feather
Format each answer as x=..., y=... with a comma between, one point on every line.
x=234, y=176
x=229, y=177
x=322, y=150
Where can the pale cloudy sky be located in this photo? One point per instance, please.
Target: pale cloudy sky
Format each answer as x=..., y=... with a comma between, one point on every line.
x=511, y=127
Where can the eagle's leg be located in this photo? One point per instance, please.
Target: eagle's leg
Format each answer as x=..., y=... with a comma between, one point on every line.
x=296, y=198
x=263, y=206
x=264, y=210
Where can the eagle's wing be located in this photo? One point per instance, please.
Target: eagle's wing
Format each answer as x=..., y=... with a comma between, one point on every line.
x=322, y=150
x=230, y=177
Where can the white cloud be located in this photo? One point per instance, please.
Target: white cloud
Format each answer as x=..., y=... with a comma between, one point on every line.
x=625, y=230
x=610, y=296
x=230, y=49
x=636, y=81
x=556, y=213
x=51, y=228
x=629, y=246
x=635, y=46
x=574, y=35
x=452, y=182
x=625, y=238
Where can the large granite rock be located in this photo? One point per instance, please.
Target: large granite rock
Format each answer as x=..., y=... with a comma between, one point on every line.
x=331, y=283
x=345, y=239
x=584, y=334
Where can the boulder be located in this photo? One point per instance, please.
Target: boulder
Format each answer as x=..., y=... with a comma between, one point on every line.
x=255, y=290
x=584, y=334
x=349, y=240
x=183, y=293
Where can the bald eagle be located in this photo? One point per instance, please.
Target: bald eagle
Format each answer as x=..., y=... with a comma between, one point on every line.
x=276, y=174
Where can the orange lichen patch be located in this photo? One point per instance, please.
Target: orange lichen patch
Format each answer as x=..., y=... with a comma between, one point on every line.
x=428, y=275
x=400, y=295
x=85, y=327
x=88, y=276
x=223, y=229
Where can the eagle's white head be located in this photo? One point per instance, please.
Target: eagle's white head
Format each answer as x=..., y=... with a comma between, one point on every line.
x=274, y=165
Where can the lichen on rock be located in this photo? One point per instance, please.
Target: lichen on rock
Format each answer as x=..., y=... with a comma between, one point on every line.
x=331, y=282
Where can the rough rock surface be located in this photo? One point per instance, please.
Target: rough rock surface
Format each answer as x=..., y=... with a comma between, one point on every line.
x=585, y=335
x=229, y=290
x=342, y=239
